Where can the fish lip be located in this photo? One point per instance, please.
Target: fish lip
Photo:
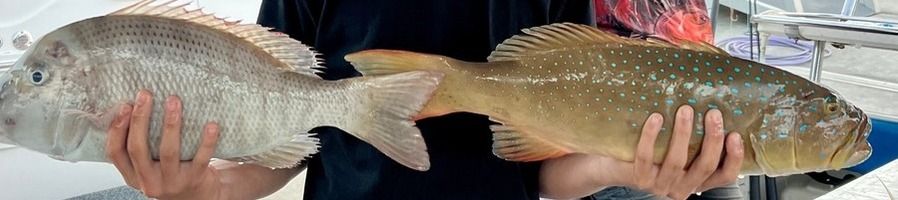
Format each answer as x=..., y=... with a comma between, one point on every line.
x=863, y=150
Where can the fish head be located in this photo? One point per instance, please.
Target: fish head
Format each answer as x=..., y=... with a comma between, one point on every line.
x=841, y=126
x=857, y=127
x=31, y=95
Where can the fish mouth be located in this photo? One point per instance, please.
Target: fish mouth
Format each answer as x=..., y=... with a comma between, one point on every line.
x=862, y=150
x=860, y=155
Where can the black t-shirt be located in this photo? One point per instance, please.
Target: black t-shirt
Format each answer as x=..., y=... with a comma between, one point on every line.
x=462, y=163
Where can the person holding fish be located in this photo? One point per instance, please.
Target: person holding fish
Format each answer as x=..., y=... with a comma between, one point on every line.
x=464, y=165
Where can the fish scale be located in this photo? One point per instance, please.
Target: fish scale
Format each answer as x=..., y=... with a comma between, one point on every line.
x=261, y=87
x=567, y=88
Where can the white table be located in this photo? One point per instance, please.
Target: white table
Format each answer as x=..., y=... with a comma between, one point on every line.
x=872, y=185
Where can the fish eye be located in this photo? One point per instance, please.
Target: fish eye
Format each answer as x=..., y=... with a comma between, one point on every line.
x=831, y=108
x=38, y=77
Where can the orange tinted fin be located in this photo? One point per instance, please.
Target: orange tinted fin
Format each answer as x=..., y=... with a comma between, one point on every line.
x=381, y=62
x=511, y=144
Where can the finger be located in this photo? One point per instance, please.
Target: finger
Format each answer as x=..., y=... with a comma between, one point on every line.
x=207, y=148
x=707, y=161
x=645, y=152
x=170, y=149
x=675, y=160
x=137, y=144
x=116, y=139
x=732, y=163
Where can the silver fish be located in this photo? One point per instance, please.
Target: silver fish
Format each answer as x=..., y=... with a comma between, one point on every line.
x=260, y=86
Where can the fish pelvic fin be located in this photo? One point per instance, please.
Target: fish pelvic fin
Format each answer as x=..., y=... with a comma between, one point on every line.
x=295, y=56
x=551, y=37
x=511, y=144
x=385, y=121
x=382, y=62
x=289, y=154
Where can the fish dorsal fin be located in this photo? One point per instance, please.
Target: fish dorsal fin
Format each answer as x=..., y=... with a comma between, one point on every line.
x=560, y=35
x=296, y=56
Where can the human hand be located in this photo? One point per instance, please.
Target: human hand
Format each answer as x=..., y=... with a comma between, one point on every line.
x=168, y=178
x=673, y=178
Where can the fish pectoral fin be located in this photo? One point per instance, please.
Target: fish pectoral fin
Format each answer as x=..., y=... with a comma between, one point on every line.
x=98, y=120
x=287, y=155
x=511, y=144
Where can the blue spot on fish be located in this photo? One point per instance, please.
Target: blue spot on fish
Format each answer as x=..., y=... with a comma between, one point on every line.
x=729, y=78
x=688, y=85
x=719, y=70
x=763, y=136
x=737, y=111
x=728, y=62
x=709, y=84
x=655, y=103
x=747, y=84
x=660, y=60
x=712, y=106
x=613, y=64
x=673, y=76
x=652, y=76
x=734, y=90
x=682, y=67
x=757, y=79
x=737, y=70
x=669, y=102
x=783, y=135
x=695, y=69
x=676, y=55
x=691, y=101
x=803, y=128
x=708, y=64
x=622, y=94
x=637, y=67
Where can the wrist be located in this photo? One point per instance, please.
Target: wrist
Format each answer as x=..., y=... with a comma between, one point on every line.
x=606, y=174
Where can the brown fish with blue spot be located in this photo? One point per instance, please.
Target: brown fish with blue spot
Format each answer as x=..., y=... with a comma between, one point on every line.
x=566, y=88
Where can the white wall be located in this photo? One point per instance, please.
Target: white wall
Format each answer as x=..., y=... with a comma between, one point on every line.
x=28, y=175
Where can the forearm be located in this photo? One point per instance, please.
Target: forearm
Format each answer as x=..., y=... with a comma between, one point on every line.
x=572, y=176
x=251, y=181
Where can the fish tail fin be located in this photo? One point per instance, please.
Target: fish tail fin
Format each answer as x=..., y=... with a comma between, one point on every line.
x=381, y=62
x=385, y=118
